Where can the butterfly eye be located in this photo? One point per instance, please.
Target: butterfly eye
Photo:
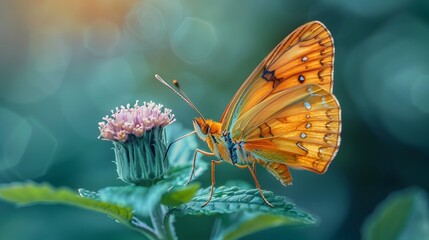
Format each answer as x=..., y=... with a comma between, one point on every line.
x=201, y=128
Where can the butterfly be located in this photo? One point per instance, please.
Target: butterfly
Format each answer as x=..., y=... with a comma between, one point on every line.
x=283, y=116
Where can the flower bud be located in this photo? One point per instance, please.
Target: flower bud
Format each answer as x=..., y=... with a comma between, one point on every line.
x=139, y=141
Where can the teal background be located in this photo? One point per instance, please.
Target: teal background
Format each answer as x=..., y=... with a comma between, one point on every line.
x=65, y=64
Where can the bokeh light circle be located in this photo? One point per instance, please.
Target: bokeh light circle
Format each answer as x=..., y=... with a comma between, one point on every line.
x=420, y=92
x=102, y=37
x=386, y=79
x=16, y=133
x=147, y=23
x=194, y=40
x=49, y=56
x=26, y=148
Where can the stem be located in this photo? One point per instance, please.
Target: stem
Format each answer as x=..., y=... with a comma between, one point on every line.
x=156, y=217
x=216, y=230
x=169, y=228
x=161, y=223
x=143, y=228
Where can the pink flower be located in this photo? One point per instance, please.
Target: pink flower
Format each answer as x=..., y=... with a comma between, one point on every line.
x=136, y=120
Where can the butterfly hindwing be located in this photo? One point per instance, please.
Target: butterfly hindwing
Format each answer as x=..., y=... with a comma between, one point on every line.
x=278, y=170
x=299, y=127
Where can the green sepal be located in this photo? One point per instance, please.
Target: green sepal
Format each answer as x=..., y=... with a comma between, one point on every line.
x=142, y=160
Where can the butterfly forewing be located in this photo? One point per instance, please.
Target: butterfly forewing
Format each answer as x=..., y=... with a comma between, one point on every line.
x=304, y=57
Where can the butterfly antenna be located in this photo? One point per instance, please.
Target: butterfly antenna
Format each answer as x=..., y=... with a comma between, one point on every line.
x=176, y=84
x=181, y=94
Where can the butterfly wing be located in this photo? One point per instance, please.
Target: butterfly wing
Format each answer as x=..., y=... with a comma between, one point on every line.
x=306, y=56
x=299, y=127
x=278, y=170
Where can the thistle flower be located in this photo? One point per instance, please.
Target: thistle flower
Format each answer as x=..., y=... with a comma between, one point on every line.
x=139, y=141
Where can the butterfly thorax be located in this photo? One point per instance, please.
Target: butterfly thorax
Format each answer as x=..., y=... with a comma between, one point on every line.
x=220, y=141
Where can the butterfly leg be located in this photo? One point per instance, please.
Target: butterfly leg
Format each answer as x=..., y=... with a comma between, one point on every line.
x=195, y=160
x=254, y=167
x=174, y=141
x=214, y=162
x=253, y=172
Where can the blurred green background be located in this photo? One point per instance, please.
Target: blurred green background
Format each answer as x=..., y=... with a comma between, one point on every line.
x=65, y=64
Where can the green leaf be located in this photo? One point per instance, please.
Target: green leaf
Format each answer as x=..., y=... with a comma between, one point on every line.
x=180, y=195
x=402, y=215
x=249, y=223
x=144, y=199
x=228, y=200
x=141, y=199
x=89, y=194
x=24, y=194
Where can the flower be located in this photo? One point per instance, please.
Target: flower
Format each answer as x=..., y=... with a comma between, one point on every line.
x=139, y=141
x=136, y=120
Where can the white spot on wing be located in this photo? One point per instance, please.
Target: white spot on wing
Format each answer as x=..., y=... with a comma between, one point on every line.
x=303, y=135
x=311, y=91
x=324, y=103
x=307, y=105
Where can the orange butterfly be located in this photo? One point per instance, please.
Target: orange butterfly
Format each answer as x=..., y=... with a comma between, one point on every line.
x=284, y=115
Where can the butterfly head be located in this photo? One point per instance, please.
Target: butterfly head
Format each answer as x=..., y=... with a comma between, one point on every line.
x=204, y=127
